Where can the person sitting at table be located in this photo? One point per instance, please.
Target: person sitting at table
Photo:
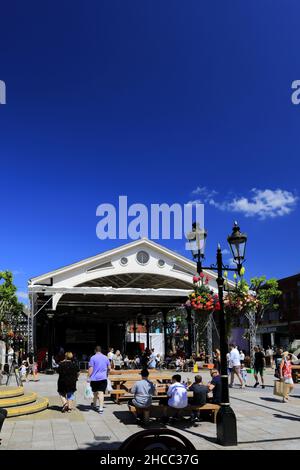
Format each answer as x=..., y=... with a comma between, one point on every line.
x=143, y=391
x=199, y=398
x=215, y=386
x=177, y=397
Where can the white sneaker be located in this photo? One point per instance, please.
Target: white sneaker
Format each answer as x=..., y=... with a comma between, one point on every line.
x=101, y=411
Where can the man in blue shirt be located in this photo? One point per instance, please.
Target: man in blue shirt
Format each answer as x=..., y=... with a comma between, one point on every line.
x=99, y=366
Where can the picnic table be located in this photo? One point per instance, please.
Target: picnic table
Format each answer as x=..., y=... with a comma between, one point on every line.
x=122, y=382
x=119, y=380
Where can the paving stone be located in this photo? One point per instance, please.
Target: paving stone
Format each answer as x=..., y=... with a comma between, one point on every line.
x=259, y=419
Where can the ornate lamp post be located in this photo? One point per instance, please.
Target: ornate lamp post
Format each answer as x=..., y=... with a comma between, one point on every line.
x=50, y=370
x=226, y=420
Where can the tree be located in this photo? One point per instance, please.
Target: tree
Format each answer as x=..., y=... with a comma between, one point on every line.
x=9, y=304
x=252, y=302
x=267, y=293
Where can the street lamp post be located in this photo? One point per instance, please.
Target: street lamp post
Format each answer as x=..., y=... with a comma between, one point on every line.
x=50, y=370
x=226, y=420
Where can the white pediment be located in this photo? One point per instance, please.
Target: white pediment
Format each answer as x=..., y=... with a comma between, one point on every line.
x=136, y=258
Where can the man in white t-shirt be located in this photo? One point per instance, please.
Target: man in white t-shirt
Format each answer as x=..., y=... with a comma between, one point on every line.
x=235, y=365
x=177, y=394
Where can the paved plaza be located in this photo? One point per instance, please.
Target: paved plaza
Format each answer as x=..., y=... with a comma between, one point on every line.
x=263, y=421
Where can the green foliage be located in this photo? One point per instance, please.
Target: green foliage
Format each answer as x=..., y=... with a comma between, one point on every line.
x=8, y=299
x=267, y=293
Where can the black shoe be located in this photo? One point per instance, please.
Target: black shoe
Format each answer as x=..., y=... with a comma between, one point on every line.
x=262, y=386
x=257, y=383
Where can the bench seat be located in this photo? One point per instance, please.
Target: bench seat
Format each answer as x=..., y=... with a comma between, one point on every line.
x=159, y=411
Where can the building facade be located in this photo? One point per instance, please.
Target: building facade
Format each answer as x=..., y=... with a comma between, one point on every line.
x=282, y=327
x=94, y=300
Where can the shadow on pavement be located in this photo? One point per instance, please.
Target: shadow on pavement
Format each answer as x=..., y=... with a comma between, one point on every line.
x=291, y=418
x=275, y=400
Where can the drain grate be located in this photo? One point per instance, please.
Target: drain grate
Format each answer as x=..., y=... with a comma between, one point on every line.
x=102, y=438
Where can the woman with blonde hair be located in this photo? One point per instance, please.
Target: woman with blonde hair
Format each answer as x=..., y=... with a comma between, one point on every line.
x=68, y=373
x=285, y=373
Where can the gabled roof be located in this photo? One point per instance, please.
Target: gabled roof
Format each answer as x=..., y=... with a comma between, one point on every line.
x=141, y=243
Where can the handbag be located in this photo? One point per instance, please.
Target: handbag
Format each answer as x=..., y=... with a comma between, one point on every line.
x=88, y=392
x=109, y=386
x=280, y=388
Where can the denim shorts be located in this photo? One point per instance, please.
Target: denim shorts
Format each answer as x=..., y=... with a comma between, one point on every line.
x=68, y=395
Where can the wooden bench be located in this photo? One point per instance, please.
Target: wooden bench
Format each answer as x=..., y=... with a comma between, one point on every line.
x=117, y=394
x=160, y=411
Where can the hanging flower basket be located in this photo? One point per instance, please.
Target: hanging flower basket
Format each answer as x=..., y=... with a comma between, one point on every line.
x=239, y=300
x=202, y=299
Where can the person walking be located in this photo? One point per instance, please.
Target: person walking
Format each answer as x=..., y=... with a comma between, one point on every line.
x=68, y=373
x=32, y=364
x=277, y=361
x=242, y=357
x=10, y=356
x=152, y=360
x=99, y=366
x=217, y=360
x=3, y=415
x=286, y=375
x=269, y=356
x=235, y=365
x=259, y=366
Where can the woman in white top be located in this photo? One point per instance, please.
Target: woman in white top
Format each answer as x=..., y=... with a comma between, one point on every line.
x=118, y=360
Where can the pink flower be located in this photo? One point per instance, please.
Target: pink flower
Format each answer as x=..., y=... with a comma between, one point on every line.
x=195, y=278
x=202, y=275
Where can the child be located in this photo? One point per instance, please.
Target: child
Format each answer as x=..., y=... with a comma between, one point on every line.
x=24, y=371
x=244, y=374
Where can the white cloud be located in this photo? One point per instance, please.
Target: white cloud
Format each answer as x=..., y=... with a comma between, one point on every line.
x=261, y=203
x=205, y=192
x=225, y=251
x=266, y=203
x=205, y=195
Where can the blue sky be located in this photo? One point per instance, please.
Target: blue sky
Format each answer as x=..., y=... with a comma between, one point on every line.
x=151, y=100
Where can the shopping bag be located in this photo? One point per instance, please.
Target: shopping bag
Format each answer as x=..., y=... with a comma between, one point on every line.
x=88, y=393
x=109, y=386
x=280, y=388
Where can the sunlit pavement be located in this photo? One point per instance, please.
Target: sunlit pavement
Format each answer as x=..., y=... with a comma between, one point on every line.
x=263, y=421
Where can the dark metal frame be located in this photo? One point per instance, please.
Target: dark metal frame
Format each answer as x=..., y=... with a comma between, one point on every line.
x=226, y=420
